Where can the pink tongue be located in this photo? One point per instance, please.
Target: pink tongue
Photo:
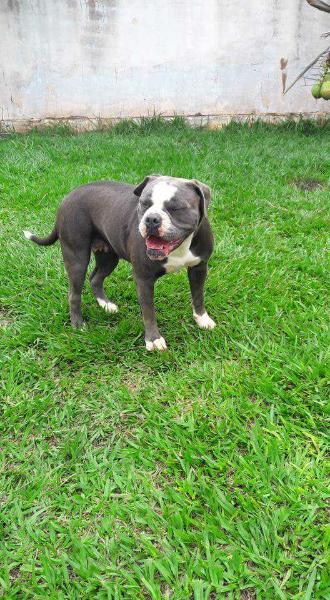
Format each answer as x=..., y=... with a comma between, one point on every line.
x=154, y=243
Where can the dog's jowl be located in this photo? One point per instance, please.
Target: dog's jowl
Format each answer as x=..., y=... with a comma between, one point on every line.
x=159, y=226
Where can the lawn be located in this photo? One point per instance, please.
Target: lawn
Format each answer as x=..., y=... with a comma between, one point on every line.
x=196, y=473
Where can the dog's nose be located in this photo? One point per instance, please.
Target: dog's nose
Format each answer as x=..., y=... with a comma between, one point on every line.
x=153, y=221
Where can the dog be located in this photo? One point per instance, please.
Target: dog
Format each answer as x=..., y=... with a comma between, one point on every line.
x=160, y=226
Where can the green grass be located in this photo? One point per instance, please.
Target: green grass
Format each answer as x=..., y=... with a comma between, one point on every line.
x=201, y=472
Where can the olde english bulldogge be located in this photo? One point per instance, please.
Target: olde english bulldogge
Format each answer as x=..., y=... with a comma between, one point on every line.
x=159, y=226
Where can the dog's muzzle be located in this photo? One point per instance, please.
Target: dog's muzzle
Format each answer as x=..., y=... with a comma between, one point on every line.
x=158, y=236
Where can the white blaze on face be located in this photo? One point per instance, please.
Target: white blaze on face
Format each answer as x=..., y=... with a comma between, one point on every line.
x=161, y=193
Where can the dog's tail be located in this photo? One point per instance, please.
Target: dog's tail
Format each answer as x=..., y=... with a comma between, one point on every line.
x=47, y=241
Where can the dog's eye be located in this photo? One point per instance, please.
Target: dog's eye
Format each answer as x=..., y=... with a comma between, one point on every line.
x=145, y=204
x=175, y=208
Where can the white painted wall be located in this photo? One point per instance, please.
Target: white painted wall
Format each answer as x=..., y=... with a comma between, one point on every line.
x=115, y=58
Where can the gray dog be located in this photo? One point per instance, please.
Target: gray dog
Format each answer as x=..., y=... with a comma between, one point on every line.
x=159, y=226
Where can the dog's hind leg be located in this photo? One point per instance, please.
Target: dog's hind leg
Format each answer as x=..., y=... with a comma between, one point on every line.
x=106, y=262
x=76, y=263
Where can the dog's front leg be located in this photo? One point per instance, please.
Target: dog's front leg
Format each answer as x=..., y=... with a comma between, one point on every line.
x=145, y=290
x=197, y=276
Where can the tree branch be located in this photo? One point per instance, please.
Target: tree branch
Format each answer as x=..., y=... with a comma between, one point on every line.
x=306, y=69
x=320, y=4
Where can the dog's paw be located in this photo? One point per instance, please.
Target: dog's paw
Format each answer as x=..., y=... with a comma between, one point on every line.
x=158, y=344
x=78, y=323
x=204, y=321
x=107, y=305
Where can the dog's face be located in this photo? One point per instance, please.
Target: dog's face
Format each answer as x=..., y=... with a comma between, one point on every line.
x=170, y=209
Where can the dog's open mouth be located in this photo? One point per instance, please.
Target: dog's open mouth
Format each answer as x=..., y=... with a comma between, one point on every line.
x=158, y=249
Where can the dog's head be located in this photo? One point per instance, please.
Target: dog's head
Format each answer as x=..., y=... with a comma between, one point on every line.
x=169, y=210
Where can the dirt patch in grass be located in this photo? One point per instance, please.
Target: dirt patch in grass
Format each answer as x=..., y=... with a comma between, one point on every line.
x=308, y=184
x=14, y=573
x=5, y=320
x=248, y=594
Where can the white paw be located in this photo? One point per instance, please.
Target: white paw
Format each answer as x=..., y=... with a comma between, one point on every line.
x=158, y=344
x=204, y=321
x=27, y=234
x=108, y=306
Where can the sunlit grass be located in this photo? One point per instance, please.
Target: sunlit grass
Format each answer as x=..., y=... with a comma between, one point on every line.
x=199, y=472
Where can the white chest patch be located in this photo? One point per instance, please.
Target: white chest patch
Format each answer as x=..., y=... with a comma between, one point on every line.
x=181, y=257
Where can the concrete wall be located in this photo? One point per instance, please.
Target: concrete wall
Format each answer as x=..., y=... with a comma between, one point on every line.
x=117, y=58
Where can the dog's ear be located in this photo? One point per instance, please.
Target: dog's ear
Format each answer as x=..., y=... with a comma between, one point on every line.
x=139, y=189
x=204, y=193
